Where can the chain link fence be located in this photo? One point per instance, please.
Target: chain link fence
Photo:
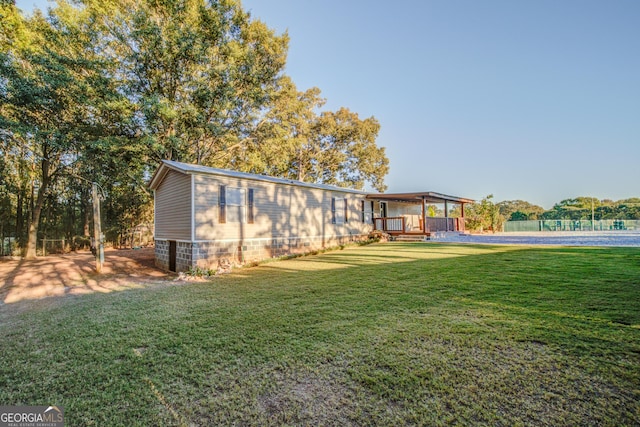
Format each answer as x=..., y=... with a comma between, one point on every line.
x=572, y=225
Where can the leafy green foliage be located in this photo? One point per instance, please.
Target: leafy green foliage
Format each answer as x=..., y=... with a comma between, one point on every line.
x=295, y=141
x=519, y=210
x=102, y=90
x=47, y=97
x=484, y=215
x=198, y=72
x=349, y=156
x=583, y=207
x=579, y=208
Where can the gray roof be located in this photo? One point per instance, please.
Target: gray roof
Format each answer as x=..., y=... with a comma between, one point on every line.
x=189, y=169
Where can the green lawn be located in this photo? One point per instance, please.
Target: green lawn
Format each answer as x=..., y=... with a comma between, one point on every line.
x=387, y=334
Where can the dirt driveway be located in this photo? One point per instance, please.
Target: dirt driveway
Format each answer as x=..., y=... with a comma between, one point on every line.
x=74, y=273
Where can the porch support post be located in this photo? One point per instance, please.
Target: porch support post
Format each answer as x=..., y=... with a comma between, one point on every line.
x=424, y=216
x=446, y=215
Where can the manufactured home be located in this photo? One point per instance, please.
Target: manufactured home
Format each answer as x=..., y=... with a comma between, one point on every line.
x=205, y=215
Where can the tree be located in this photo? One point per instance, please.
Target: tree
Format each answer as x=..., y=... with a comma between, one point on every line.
x=296, y=141
x=629, y=208
x=102, y=90
x=53, y=100
x=198, y=72
x=282, y=140
x=433, y=211
x=347, y=152
x=519, y=210
x=574, y=209
x=581, y=208
x=484, y=215
x=35, y=104
x=7, y=190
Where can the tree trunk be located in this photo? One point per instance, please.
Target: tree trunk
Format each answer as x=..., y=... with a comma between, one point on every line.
x=86, y=206
x=32, y=241
x=21, y=198
x=20, y=217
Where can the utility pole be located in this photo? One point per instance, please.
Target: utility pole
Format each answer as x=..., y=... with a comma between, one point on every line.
x=97, y=228
x=592, y=216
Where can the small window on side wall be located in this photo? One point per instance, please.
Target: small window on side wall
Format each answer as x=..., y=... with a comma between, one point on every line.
x=233, y=205
x=365, y=214
x=338, y=210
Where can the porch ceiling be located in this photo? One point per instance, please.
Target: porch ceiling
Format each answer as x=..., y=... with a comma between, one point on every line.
x=428, y=196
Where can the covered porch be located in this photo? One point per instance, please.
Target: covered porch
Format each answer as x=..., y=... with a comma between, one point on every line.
x=404, y=214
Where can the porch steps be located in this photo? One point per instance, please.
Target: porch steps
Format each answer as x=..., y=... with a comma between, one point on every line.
x=419, y=237
x=410, y=238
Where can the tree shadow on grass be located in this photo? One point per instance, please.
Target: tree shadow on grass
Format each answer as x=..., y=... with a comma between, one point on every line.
x=74, y=274
x=433, y=330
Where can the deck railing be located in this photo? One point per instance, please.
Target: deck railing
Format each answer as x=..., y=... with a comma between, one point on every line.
x=444, y=224
x=398, y=224
x=390, y=224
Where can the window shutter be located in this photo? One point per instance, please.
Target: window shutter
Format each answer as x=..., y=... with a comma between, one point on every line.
x=222, y=202
x=333, y=210
x=250, y=217
x=372, y=219
x=346, y=211
x=362, y=209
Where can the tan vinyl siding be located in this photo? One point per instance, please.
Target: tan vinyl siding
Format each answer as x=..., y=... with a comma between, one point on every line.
x=173, y=207
x=287, y=211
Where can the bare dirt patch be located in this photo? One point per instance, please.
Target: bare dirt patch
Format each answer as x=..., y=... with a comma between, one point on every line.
x=74, y=274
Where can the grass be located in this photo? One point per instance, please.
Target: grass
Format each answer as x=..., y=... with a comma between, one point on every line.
x=389, y=334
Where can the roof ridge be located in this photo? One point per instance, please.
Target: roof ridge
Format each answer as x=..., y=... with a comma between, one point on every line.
x=189, y=168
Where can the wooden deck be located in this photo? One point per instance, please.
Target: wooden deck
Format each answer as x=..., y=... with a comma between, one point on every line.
x=397, y=226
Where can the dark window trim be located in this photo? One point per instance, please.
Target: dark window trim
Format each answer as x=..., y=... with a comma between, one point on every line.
x=346, y=211
x=250, y=214
x=333, y=210
x=222, y=202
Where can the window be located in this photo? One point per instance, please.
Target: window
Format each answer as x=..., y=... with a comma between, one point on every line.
x=383, y=209
x=366, y=214
x=236, y=204
x=339, y=214
x=232, y=202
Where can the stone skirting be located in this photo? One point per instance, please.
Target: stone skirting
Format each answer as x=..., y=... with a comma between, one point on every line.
x=162, y=254
x=210, y=254
x=184, y=255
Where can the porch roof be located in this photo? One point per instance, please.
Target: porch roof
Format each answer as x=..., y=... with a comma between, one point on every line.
x=427, y=196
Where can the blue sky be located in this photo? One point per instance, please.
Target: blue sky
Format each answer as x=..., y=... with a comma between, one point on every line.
x=534, y=100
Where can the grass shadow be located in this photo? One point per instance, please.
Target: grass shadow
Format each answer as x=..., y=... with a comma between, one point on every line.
x=399, y=333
